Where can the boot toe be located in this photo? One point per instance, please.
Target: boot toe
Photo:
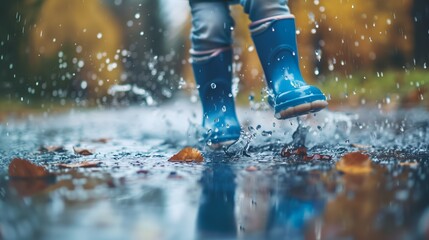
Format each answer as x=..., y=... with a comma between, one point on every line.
x=299, y=101
x=222, y=133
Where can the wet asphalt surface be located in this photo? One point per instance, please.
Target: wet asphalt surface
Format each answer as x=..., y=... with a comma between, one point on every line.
x=247, y=191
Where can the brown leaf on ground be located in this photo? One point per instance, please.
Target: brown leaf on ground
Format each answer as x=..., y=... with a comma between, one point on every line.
x=101, y=140
x=79, y=165
x=83, y=151
x=21, y=168
x=187, y=154
x=52, y=149
x=354, y=163
x=300, y=151
x=317, y=157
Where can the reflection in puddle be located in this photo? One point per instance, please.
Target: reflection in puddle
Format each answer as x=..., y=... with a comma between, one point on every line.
x=256, y=204
x=222, y=200
x=259, y=193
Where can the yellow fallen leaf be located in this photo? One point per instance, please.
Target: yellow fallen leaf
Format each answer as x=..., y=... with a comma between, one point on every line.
x=187, y=154
x=22, y=168
x=354, y=163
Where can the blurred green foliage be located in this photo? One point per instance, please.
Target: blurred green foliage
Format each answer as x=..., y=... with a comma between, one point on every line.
x=393, y=88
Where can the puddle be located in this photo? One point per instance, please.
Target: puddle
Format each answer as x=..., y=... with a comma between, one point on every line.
x=255, y=189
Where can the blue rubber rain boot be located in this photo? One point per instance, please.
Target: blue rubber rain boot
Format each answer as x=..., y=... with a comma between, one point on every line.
x=275, y=42
x=213, y=74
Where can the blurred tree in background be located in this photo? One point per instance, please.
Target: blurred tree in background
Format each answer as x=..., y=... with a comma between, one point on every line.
x=132, y=51
x=60, y=49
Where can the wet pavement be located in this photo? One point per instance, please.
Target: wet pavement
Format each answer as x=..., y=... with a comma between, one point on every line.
x=252, y=190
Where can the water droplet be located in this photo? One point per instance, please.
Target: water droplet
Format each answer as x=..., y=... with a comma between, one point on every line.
x=83, y=85
x=99, y=35
x=331, y=67
x=316, y=71
x=223, y=108
x=81, y=63
x=213, y=85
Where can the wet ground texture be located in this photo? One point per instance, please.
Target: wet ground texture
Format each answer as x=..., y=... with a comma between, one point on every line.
x=280, y=181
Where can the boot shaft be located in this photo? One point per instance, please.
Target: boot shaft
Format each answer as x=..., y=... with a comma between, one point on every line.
x=213, y=75
x=275, y=42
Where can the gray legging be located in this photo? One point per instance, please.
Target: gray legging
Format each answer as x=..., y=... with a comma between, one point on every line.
x=212, y=23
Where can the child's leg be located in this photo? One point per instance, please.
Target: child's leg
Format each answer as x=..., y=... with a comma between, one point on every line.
x=211, y=26
x=212, y=66
x=262, y=9
x=273, y=32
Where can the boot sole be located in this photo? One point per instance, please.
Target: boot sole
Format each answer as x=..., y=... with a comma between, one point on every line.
x=302, y=109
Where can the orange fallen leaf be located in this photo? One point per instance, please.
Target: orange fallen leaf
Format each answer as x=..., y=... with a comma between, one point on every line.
x=83, y=151
x=354, y=163
x=187, y=154
x=52, y=149
x=21, y=168
x=79, y=165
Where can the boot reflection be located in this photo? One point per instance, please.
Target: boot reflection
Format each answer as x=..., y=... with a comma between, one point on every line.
x=253, y=202
x=255, y=205
x=216, y=212
x=297, y=206
x=269, y=208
